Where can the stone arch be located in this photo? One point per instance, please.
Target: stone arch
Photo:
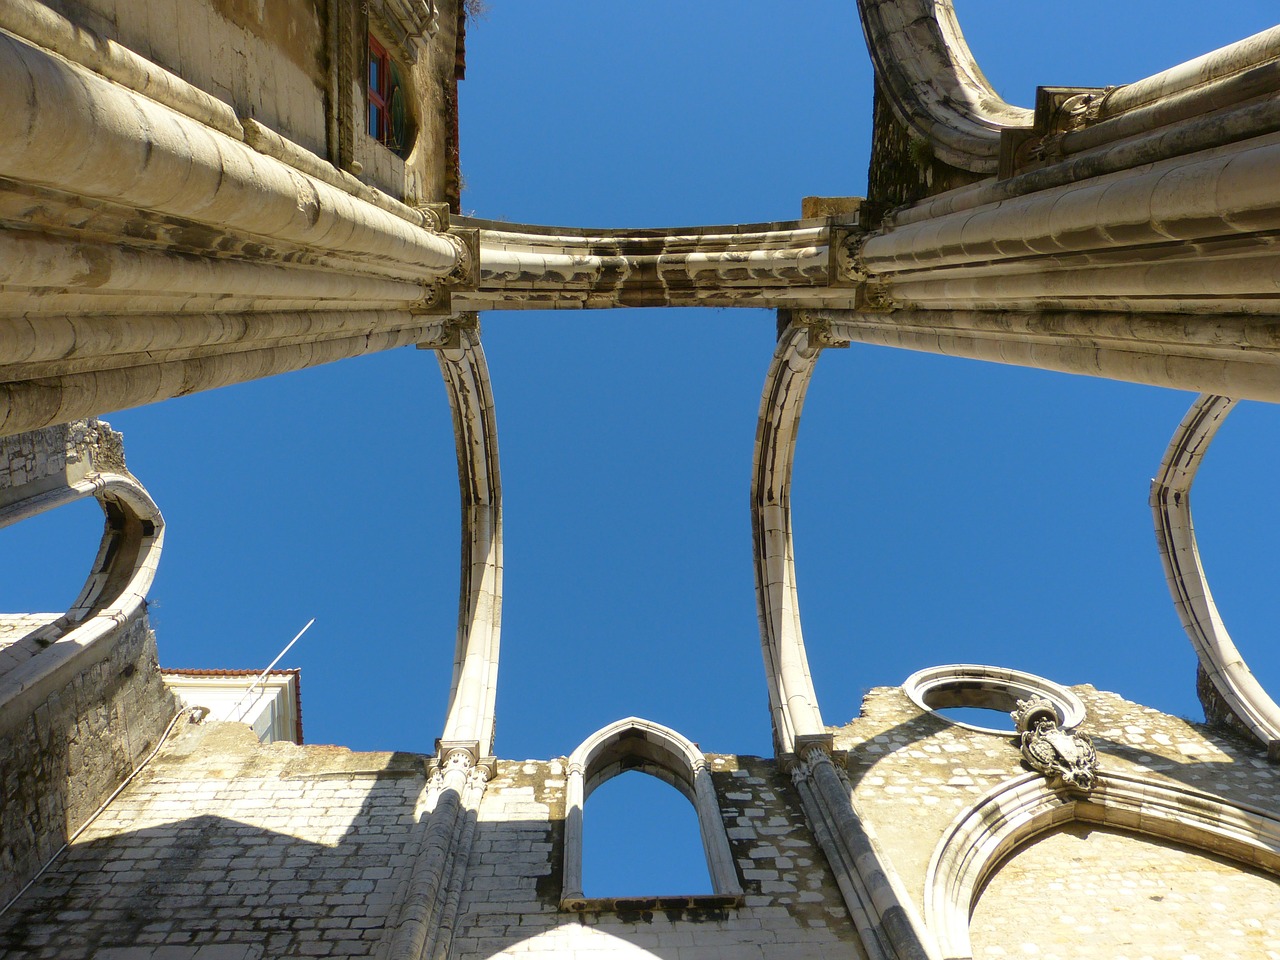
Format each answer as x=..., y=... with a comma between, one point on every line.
x=114, y=592
x=636, y=744
x=987, y=834
x=1188, y=583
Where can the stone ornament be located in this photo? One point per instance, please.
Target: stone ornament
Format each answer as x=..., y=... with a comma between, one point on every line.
x=1057, y=753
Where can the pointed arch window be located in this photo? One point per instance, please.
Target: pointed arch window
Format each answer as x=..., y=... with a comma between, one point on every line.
x=635, y=744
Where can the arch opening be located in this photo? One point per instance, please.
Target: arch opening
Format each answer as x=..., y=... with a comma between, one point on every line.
x=638, y=821
x=639, y=745
x=66, y=540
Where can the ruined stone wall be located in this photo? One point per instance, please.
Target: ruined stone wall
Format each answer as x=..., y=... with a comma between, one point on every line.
x=914, y=772
x=243, y=850
x=1081, y=892
x=234, y=848
x=791, y=907
x=31, y=463
x=68, y=737
x=59, y=763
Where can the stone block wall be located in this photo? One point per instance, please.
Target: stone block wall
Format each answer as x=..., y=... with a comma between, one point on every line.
x=791, y=907
x=1080, y=890
x=223, y=848
x=227, y=849
x=264, y=59
x=41, y=460
x=59, y=763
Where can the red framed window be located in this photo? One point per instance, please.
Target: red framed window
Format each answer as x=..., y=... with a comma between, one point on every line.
x=379, y=93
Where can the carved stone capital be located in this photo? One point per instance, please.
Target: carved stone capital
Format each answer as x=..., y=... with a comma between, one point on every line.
x=844, y=264
x=875, y=297
x=466, y=274
x=811, y=750
x=1058, y=111
x=435, y=215
x=435, y=301
x=463, y=756
x=818, y=326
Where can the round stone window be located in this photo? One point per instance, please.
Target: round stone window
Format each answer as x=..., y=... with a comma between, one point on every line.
x=981, y=687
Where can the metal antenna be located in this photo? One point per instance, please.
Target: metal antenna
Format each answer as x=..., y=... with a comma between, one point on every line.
x=265, y=673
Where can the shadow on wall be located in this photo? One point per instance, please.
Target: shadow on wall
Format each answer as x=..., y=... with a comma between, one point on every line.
x=275, y=859
x=224, y=849
x=60, y=760
x=1234, y=775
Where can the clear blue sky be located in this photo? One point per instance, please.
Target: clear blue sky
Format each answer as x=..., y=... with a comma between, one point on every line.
x=945, y=510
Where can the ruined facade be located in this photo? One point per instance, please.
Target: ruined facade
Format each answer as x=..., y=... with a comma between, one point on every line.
x=277, y=187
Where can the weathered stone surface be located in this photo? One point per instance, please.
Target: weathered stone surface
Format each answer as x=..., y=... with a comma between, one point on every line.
x=60, y=763
x=790, y=908
x=914, y=772
x=224, y=841
x=1081, y=893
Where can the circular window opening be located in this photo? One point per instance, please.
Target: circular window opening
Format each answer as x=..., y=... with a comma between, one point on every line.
x=978, y=718
x=981, y=698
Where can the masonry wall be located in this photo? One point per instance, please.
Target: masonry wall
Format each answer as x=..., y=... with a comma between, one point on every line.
x=233, y=848
x=59, y=763
x=285, y=65
x=1082, y=892
x=1078, y=891
x=70, y=738
x=243, y=850
x=791, y=907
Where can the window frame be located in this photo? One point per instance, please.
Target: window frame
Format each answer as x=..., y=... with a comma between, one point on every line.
x=636, y=744
x=378, y=95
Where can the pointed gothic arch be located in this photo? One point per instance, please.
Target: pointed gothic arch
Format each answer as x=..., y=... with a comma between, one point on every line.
x=636, y=744
x=983, y=837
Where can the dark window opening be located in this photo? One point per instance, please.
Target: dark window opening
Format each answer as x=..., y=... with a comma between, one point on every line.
x=389, y=120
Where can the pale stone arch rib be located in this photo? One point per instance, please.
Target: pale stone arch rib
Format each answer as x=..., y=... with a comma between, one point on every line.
x=1176, y=537
x=936, y=87
x=983, y=836
x=114, y=593
x=472, y=697
x=636, y=744
x=926, y=69
x=792, y=700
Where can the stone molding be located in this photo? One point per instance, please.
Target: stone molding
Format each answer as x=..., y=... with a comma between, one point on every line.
x=1189, y=585
x=993, y=688
x=636, y=744
x=986, y=834
x=783, y=264
x=1232, y=355
x=934, y=83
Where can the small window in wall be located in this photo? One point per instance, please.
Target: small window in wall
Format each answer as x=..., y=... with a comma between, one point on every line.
x=390, y=122
x=641, y=838
x=635, y=745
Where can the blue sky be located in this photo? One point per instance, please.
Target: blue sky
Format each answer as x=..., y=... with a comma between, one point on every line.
x=945, y=510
